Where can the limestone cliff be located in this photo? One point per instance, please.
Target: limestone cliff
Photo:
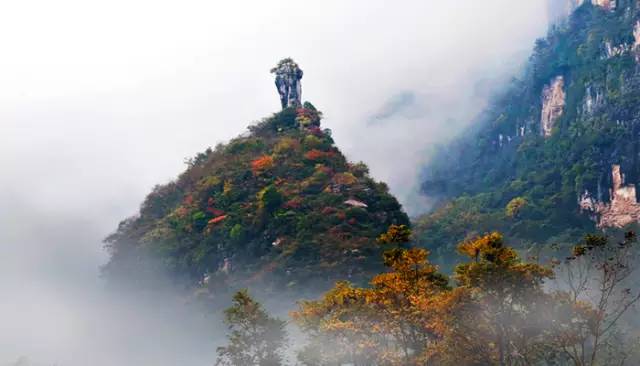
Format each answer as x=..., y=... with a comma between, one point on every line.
x=563, y=8
x=607, y=4
x=623, y=208
x=553, y=101
x=636, y=41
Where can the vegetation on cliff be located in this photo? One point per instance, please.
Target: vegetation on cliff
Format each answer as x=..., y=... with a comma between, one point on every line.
x=548, y=142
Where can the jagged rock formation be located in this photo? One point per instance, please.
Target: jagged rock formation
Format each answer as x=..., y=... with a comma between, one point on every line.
x=553, y=101
x=623, y=208
x=606, y=4
x=288, y=75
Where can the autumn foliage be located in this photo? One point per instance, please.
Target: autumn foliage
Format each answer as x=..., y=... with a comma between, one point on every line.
x=316, y=154
x=284, y=181
x=496, y=312
x=396, y=234
x=261, y=164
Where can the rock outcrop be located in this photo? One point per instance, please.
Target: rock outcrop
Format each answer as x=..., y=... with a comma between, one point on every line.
x=288, y=76
x=568, y=6
x=593, y=99
x=553, y=102
x=636, y=41
x=623, y=208
x=606, y=4
x=614, y=51
x=559, y=9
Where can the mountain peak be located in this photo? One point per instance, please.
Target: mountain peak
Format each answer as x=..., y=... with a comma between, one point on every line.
x=280, y=205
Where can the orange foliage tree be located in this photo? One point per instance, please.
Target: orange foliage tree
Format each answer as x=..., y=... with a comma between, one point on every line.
x=498, y=314
x=261, y=164
x=389, y=323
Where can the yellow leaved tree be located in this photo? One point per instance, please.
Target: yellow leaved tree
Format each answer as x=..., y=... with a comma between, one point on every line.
x=388, y=323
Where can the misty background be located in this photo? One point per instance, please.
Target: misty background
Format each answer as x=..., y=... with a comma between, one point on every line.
x=100, y=101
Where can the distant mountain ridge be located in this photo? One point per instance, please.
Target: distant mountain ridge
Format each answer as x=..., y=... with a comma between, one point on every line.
x=541, y=163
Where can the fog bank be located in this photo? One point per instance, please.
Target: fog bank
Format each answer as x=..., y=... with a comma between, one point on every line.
x=101, y=101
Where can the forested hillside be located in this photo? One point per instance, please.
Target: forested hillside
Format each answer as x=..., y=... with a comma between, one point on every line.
x=279, y=205
x=556, y=155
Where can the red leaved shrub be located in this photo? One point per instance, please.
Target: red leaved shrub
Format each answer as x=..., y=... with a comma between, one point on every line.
x=261, y=164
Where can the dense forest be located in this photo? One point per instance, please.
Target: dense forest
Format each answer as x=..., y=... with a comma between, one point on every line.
x=548, y=142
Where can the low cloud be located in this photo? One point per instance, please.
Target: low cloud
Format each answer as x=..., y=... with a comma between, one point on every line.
x=101, y=101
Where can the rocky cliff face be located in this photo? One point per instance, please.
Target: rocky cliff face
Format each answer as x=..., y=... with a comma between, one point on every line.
x=563, y=8
x=636, y=41
x=553, y=102
x=607, y=4
x=622, y=210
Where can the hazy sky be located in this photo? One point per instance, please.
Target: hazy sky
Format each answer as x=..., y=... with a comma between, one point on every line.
x=100, y=100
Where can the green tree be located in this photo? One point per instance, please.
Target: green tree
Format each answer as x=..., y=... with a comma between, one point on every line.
x=255, y=339
x=270, y=199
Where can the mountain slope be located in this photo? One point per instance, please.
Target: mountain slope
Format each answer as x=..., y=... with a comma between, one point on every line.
x=540, y=164
x=279, y=205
